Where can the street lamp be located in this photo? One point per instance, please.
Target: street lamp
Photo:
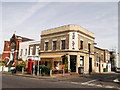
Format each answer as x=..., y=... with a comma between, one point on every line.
x=38, y=63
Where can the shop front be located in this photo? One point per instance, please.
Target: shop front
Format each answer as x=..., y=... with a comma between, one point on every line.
x=52, y=61
x=55, y=62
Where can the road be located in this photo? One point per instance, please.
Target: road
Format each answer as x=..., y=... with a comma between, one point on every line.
x=92, y=81
x=20, y=82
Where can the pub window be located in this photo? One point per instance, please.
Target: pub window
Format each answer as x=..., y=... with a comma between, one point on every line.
x=46, y=45
x=54, y=45
x=88, y=47
x=81, y=60
x=81, y=44
x=63, y=44
x=46, y=63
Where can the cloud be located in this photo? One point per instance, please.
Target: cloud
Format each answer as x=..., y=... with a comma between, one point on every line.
x=18, y=18
x=60, y=0
x=29, y=19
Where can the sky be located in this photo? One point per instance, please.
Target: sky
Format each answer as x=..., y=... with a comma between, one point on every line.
x=28, y=19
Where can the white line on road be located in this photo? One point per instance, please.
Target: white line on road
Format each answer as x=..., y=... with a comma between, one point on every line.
x=74, y=83
x=88, y=82
x=109, y=87
x=95, y=85
x=116, y=80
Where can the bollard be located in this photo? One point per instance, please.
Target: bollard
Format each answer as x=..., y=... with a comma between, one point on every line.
x=22, y=70
x=63, y=72
x=51, y=73
x=33, y=70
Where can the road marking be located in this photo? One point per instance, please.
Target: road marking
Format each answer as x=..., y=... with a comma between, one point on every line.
x=116, y=80
x=98, y=85
x=68, y=78
x=88, y=82
x=95, y=85
x=109, y=87
x=91, y=84
x=74, y=83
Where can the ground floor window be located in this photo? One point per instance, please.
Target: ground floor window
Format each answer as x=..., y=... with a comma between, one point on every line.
x=46, y=63
x=81, y=60
x=57, y=64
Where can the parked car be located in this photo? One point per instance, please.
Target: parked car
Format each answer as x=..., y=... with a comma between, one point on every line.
x=117, y=70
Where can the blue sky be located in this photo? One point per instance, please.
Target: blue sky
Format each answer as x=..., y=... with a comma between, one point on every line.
x=30, y=18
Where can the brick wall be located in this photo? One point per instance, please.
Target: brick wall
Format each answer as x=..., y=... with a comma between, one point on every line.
x=6, y=51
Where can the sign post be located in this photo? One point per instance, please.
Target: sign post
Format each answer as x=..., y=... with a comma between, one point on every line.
x=38, y=67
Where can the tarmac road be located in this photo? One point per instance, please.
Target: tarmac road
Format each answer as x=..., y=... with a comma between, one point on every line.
x=22, y=82
x=92, y=81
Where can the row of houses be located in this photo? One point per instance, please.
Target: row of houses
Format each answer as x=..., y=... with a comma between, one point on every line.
x=71, y=41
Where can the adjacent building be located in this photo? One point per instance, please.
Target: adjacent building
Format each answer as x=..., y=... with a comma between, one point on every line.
x=11, y=49
x=102, y=60
x=29, y=51
x=34, y=50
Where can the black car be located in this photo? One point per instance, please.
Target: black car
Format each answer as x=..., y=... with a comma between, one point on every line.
x=117, y=70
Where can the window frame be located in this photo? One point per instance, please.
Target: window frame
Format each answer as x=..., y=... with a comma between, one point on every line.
x=46, y=45
x=63, y=48
x=82, y=60
x=54, y=44
x=81, y=44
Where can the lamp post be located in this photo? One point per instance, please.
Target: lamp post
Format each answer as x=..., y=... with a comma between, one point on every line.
x=38, y=68
x=38, y=63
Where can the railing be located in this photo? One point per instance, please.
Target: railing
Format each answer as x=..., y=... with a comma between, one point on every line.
x=57, y=70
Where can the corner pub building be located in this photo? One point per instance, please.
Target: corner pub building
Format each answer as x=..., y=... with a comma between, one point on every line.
x=71, y=41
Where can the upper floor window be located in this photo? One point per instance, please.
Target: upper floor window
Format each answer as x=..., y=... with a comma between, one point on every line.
x=63, y=44
x=54, y=45
x=25, y=51
x=31, y=50
x=89, y=47
x=37, y=50
x=46, y=45
x=81, y=44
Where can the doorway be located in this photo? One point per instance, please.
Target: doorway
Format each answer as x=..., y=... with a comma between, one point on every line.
x=90, y=64
x=73, y=63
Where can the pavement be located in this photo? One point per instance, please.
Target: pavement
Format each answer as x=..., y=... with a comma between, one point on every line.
x=56, y=77
x=103, y=80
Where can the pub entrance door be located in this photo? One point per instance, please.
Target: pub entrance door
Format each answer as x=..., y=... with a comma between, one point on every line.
x=73, y=63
